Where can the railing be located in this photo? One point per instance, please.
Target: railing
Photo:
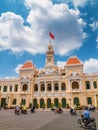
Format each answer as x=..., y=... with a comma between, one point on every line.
x=75, y=90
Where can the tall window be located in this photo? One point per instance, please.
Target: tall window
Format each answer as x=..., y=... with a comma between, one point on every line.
x=0, y=88
x=49, y=87
x=5, y=89
x=10, y=88
x=87, y=84
x=36, y=87
x=63, y=86
x=25, y=87
x=95, y=84
x=56, y=87
x=42, y=87
x=16, y=88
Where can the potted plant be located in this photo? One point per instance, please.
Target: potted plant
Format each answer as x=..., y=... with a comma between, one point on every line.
x=52, y=105
x=30, y=105
x=67, y=105
x=37, y=105
x=44, y=105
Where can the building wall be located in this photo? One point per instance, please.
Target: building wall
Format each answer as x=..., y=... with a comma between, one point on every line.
x=69, y=94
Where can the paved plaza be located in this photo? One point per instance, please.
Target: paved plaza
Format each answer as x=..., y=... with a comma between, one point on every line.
x=40, y=120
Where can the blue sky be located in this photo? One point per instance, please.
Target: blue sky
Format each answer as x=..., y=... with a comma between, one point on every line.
x=25, y=27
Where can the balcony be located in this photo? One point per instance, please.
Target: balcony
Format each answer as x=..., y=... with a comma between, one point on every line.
x=24, y=92
x=75, y=90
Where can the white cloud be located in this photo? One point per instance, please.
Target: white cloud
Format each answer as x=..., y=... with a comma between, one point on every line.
x=80, y=2
x=91, y=66
x=94, y=25
x=17, y=68
x=76, y=2
x=97, y=42
x=44, y=17
x=61, y=63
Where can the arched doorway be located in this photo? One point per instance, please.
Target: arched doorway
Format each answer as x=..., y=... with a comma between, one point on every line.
x=76, y=101
x=48, y=103
x=56, y=102
x=35, y=102
x=23, y=101
x=3, y=102
x=63, y=103
x=41, y=103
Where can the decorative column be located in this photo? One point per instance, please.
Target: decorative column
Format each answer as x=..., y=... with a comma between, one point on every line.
x=95, y=100
x=91, y=81
x=69, y=85
x=29, y=87
x=81, y=85
x=38, y=85
x=52, y=87
x=12, y=88
x=45, y=87
x=2, y=86
x=59, y=85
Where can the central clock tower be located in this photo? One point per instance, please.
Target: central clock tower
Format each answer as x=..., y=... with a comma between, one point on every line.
x=50, y=56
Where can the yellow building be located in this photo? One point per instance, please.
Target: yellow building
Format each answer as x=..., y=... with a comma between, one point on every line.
x=51, y=85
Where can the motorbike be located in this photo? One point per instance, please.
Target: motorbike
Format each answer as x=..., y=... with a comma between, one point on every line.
x=53, y=109
x=32, y=110
x=73, y=112
x=87, y=124
x=24, y=111
x=91, y=109
x=17, y=112
x=58, y=110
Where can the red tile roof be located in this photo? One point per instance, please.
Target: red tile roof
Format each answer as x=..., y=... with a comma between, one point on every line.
x=26, y=65
x=73, y=61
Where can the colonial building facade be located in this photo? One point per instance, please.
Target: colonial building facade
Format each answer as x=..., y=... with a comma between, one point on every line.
x=51, y=85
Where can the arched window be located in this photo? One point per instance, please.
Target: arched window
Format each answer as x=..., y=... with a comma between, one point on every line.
x=56, y=102
x=24, y=87
x=76, y=101
x=63, y=103
x=49, y=87
x=5, y=89
x=63, y=86
x=56, y=87
x=75, y=85
x=48, y=103
x=42, y=87
x=89, y=100
x=16, y=88
x=36, y=87
x=41, y=103
x=14, y=102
